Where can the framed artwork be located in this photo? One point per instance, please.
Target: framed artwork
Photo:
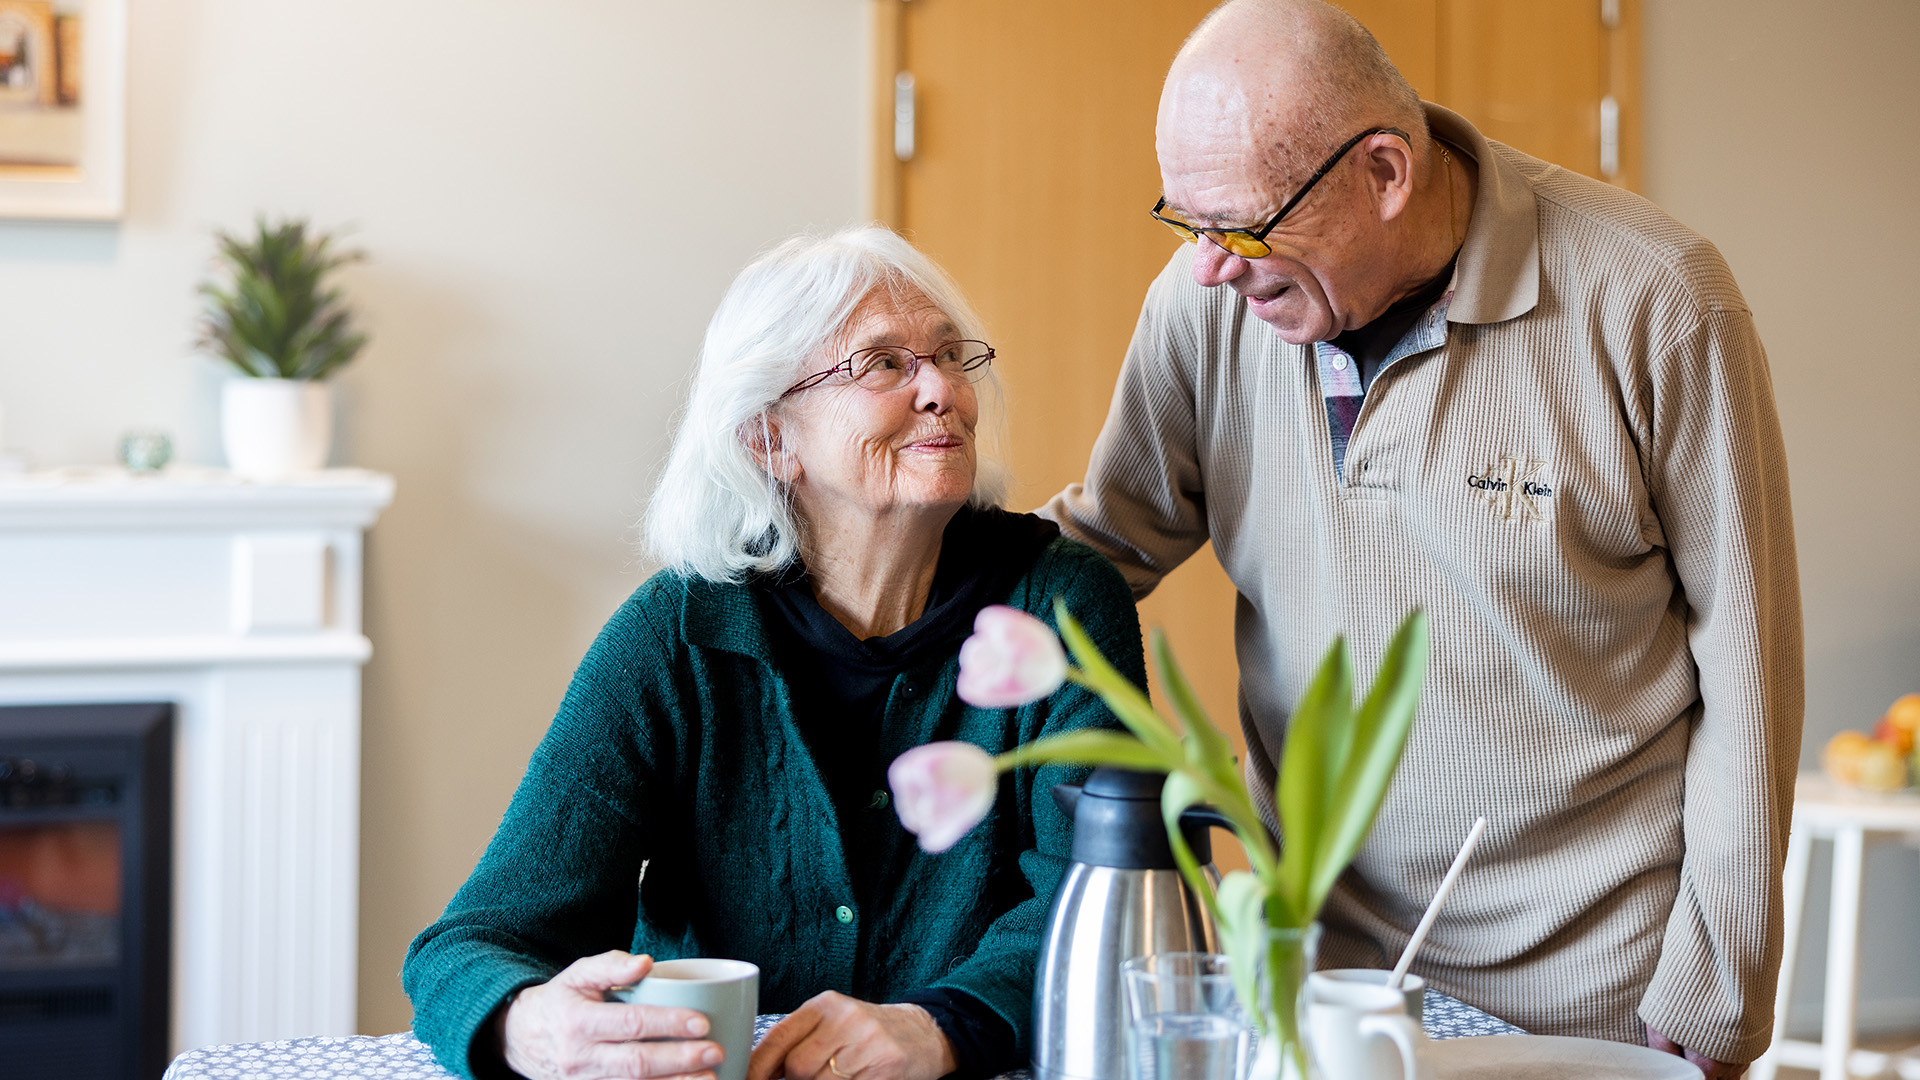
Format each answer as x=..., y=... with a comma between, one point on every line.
x=63, y=108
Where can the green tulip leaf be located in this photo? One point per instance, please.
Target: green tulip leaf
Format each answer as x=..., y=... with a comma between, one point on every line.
x=1087, y=747
x=1206, y=747
x=1243, y=935
x=1380, y=731
x=1127, y=701
x=1324, y=714
x=1182, y=791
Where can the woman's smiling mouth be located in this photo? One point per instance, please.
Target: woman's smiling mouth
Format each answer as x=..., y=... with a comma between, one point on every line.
x=942, y=441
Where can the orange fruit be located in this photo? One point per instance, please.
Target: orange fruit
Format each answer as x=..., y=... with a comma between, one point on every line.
x=1905, y=715
x=1844, y=755
x=1883, y=768
x=1886, y=731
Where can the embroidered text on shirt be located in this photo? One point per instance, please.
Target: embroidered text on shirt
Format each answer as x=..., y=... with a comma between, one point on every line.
x=1510, y=488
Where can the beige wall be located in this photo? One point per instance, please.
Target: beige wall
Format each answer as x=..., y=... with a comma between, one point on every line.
x=1786, y=132
x=555, y=194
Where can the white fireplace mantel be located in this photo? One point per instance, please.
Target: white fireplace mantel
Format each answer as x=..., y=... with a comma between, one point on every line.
x=239, y=602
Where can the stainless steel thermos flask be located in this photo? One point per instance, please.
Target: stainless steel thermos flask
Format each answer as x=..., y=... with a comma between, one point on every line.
x=1122, y=897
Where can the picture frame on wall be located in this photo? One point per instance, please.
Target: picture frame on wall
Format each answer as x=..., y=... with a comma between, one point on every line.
x=63, y=109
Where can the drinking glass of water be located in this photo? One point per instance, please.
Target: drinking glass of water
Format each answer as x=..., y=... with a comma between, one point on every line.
x=1183, y=1021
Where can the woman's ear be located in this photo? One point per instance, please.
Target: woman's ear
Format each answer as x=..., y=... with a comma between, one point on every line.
x=761, y=436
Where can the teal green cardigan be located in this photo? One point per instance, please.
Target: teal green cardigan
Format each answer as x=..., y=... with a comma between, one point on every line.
x=674, y=809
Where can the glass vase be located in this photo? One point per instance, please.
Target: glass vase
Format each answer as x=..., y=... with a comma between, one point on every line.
x=1284, y=963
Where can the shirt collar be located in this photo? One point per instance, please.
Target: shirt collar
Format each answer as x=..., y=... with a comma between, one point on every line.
x=1498, y=275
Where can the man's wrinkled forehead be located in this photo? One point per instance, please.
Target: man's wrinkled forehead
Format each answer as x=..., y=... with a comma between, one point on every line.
x=1211, y=141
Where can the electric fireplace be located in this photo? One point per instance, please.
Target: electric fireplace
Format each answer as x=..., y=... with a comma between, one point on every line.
x=85, y=880
x=239, y=602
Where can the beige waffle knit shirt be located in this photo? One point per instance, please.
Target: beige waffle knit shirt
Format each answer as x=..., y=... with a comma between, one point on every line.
x=1585, y=487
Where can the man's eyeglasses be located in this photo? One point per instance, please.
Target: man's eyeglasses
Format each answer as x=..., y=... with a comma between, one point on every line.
x=1250, y=244
x=889, y=367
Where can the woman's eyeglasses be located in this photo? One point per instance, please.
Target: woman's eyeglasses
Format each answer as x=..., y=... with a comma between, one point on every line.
x=889, y=367
x=1249, y=244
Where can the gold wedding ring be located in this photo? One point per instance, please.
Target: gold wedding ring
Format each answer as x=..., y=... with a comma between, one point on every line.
x=835, y=1069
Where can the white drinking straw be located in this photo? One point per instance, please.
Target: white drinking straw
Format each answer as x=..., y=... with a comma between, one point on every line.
x=1433, y=909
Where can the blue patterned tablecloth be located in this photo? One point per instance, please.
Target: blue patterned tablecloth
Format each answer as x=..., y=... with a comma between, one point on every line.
x=403, y=1057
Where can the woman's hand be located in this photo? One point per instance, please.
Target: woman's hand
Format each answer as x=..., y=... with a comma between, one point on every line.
x=565, y=1030
x=835, y=1037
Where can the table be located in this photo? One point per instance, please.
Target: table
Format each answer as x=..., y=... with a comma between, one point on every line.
x=1824, y=810
x=403, y=1057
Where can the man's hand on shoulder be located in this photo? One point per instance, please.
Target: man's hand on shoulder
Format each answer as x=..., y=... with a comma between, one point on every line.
x=1715, y=1070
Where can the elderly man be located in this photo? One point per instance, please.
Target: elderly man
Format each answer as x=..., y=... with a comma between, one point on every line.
x=1536, y=406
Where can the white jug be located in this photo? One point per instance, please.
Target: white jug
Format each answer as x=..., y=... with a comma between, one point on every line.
x=1359, y=1032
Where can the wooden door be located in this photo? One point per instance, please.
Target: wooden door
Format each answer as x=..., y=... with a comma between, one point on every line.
x=1541, y=75
x=1033, y=168
x=1032, y=174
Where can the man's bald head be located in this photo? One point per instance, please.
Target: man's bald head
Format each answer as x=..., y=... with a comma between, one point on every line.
x=1293, y=77
x=1261, y=95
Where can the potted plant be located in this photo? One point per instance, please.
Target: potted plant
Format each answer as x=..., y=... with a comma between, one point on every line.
x=1335, y=767
x=272, y=316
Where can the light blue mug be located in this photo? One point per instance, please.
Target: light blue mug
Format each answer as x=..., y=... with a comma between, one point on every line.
x=727, y=991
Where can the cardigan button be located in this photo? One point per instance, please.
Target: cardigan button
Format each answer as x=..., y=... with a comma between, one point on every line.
x=880, y=800
x=843, y=913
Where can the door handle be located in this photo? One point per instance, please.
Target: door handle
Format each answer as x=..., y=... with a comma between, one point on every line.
x=903, y=116
x=1609, y=137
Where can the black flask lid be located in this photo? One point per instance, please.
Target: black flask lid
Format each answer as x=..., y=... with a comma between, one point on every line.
x=1116, y=822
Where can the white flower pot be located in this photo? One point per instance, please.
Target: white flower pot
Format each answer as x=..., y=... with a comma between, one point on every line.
x=272, y=427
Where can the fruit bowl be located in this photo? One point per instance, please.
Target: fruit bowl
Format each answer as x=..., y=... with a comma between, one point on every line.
x=1886, y=760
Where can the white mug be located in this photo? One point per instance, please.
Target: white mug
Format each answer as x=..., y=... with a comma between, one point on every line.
x=1414, y=986
x=1359, y=1032
x=727, y=991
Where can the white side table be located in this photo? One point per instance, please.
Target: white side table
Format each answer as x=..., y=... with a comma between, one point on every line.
x=1823, y=810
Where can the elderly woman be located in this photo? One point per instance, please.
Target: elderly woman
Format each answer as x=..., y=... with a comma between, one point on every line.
x=714, y=783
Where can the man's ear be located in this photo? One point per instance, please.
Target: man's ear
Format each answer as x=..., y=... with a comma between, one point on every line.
x=1389, y=170
x=761, y=436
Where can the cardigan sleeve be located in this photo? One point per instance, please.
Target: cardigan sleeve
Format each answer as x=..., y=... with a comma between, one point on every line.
x=559, y=880
x=1001, y=970
x=1718, y=475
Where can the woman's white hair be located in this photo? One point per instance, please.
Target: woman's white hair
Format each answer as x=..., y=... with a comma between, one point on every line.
x=717, y=513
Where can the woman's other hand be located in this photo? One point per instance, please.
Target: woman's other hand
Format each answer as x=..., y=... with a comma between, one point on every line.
x=835, y=1037
x=564, y=1029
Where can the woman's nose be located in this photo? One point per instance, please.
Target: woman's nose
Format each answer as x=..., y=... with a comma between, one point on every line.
x=933, y=389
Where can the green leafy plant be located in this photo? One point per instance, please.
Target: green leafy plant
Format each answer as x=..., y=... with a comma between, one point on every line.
x=273, y=316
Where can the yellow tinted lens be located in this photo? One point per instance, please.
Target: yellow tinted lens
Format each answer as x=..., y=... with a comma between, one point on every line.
x=1243, y=245
x=1179, y=230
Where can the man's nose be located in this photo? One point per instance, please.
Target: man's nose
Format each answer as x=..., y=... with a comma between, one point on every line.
x=1214, y=265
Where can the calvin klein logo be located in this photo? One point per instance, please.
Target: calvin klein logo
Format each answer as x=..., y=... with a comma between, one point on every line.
x=1510, y=487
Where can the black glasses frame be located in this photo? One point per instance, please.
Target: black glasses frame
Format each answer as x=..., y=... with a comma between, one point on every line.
x=913, y=368
x=1192, y=233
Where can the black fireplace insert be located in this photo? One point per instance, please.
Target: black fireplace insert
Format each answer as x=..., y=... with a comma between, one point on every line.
x=86, y=795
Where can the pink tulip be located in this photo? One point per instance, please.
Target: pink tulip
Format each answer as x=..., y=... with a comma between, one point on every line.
x=942, y=790
x=1011, y=659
